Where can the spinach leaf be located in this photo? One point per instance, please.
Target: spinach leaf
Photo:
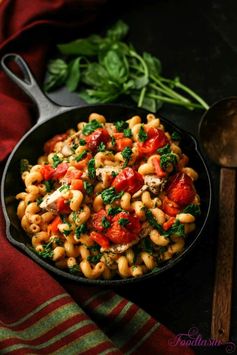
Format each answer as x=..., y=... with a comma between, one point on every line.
x=84, y=47
x=193, y=209
x=91, y=127
x=110, y=195
x=91, y=169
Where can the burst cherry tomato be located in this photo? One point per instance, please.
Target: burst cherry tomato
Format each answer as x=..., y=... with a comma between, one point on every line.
x=100, y=239
x=100, y=135
x=97, y=220
x=62, y=206
x=60, y=171
x=128, y=180
x=181, y=189
x=124, y=228
x=156, y=139
x=170, y=207
x=47, y=172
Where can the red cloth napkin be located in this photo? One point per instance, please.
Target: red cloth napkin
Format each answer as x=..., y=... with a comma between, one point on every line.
x=37, y=314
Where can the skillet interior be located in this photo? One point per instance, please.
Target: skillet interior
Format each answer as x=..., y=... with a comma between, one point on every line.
x=31, y=147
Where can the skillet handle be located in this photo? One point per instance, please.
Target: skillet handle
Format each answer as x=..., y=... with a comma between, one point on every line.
x=28, y=84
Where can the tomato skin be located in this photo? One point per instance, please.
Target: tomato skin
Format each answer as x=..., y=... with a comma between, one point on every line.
x=97, y=220
x=50, y=144
x=80, y=165
x=155, y=140
x=123, y=235
x=60, y=171
x=53, y=227
x=77, y=184
x=72, y=174
x=98, y=136
x=128, y=180
x=181, y=189
x=123, y=143
x=47, y=172
x=170, y=207
x=100, y=239
x=62, y=206
x=168, y=224
x=159, y=171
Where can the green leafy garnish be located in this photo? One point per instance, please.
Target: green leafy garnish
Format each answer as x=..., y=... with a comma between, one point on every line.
x=167, y=159
x=176, y=229
x=91, y=169
x=164, y=150
x=101, y=147
x=103, y=68
x=152, y=221
x=112, y=211
x=123, y=222
x=110, y=195
x=24, y=165
x=94, y=248
x=90, y=127
x=75, y=269
x=126, y=154
x=39, y=200
x=49, y=185
x=47, y=252
x=82, y=141
x=142, y=135
x=81, y=156
x=88, y=187
x=64, y=187
x=82, y=229
x=113, y=141
x=121, y=125
x=105, y=222
x=146, y=245
x=94, y=259
x=193, y=209
x=176, y=136
x=56, y=161
x=127, y=132
x=114, y=174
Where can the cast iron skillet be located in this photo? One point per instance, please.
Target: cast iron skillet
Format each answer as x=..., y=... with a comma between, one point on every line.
x=54, y=119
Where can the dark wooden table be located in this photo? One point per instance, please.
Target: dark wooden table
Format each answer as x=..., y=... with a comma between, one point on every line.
x=196, y=40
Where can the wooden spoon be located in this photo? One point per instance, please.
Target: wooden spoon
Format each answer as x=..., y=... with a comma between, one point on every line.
x=218, y=134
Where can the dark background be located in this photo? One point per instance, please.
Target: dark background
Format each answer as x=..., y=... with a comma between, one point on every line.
x=196, y=40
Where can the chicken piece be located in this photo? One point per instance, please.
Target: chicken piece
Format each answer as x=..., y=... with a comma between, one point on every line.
x=155, y=184
x=120, y=248
x=105, y=172
x=50, y=201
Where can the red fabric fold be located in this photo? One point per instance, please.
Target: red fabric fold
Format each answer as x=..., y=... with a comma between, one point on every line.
x=37, y=314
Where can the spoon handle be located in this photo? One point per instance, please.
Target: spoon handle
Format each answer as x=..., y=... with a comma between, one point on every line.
x=221, y=307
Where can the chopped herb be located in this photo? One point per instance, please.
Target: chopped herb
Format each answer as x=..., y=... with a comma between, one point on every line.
x=114, y=174
x=66, y=232
x=64, y=187
x=95, y=247
x=91, y=127
x=146, y=245
x=75, y=269
x=113, y=141
x=126, y=154
x=39, y=200
x=114, y=210
x=82, y=229
x=142, y=135
x=105, y=222
x=24, y=165
x=47, y=252
x=94, y=259
x=57, y=241
x=176, y=136
x=123, y=222
x=49, y=185
x=121, y=125
x=82, y=142
x=167, y=159
x=91, y=169
x=88, y=187
x=74, y=146
x=153, y=222
x=193, y=209
x=110, y=195
x=81, y=155
x=176, y=229
x=127, y=133
x=56, y=161
x=101, y=147
x=165, y=150
x=63, y=217
x=162, y=250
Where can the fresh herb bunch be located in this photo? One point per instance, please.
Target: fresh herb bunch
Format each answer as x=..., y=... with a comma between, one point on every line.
x=101, y=69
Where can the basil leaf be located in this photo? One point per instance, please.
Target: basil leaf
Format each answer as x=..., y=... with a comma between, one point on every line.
x=91, y=127
x=193, y=209
x=118, y=31
x=74, y=75
x=85, y=47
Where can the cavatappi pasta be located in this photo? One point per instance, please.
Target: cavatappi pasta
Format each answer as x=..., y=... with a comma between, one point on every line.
x=110, y=200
